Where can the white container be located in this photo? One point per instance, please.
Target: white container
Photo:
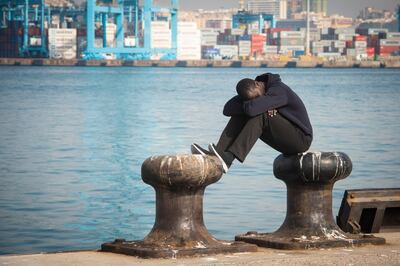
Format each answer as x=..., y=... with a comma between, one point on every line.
x=270, y=49
x=393, y=36
x=160, y=35
x=188, y=41
x=351, y=52
x=329, y=54
x=389, y=42
x=326, y=43
x=361, y=51
x=244, y=48
x=346, y=31
x=62, y=43
x=346, y=37
x=287, y=49
x=230, y=51
x=360, y=44
x=237, y=31
x=317, y=44
x=376, y=31
x=292, y=34
x=35, y=41
x=339, y=44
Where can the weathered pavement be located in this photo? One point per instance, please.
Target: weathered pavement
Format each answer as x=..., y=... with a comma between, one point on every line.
x=388, y=254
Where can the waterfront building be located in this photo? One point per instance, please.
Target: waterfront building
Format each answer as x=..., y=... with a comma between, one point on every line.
x=317, y=6
x=220, y=19
x=293, y=7
x=278, y=8
x=373, y=13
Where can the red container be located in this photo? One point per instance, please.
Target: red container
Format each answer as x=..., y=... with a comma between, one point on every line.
x=360, y=38
x=388, y=49
x=257, y=43
x=349, y=44
x=278, y=30
x=370, y=51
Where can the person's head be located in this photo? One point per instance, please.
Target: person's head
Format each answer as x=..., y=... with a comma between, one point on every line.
x=249, y=89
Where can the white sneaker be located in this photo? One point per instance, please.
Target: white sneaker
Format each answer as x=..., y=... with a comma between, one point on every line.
x=212, y=148
x=196, y=149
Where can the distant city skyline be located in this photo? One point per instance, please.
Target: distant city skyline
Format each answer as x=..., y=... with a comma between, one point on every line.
x=343, y=7
x=349, y=8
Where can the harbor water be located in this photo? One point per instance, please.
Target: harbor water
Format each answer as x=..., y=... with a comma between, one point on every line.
x=72, y=141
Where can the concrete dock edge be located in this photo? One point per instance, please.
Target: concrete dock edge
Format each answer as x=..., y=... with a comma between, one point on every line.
x=388, y=254
x=199, y=63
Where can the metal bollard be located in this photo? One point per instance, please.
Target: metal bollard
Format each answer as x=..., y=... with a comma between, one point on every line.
x=309, y=222
x=179, y=230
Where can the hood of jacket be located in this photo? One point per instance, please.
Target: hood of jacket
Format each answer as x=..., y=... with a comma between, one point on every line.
x=269, y=79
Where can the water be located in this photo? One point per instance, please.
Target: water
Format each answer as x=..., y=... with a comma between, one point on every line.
x=72, y=141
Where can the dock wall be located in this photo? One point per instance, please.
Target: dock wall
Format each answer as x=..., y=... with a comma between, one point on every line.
x=199, y=63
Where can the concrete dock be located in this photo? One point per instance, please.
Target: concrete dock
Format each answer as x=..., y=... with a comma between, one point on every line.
x=389, y=63
x=388, y=254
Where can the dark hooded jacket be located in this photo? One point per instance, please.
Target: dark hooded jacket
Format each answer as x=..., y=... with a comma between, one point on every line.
x=277, y=96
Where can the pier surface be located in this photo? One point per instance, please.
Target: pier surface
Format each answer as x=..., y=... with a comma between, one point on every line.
x=388, y=254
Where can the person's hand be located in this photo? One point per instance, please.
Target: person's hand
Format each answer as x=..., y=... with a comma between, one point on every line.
x=272, y=113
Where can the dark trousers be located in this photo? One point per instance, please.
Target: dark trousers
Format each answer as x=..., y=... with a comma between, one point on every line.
x=242, y=132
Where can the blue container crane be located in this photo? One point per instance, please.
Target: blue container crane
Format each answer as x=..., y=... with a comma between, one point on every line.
x=244, y=18
x=29, y=12
x=117, y=9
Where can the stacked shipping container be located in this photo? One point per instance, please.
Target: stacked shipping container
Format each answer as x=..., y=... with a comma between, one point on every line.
x=10, y=39
x=189, y=41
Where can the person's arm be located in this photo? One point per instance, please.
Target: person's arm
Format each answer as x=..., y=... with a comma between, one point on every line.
x=263, y=103
x=234, y=107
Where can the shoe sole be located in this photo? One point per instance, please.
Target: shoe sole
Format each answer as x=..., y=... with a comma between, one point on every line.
x=196, y=150
x=224, y=166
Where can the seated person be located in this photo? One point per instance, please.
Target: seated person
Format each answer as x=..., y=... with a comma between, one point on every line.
x=266, y=109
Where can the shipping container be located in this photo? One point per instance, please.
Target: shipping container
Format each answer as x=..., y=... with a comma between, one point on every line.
x=62, y=43
x=270, y=49
x=339, y=44
x=360, y=38
x=388, y=49
x=360, y=44
x=297, y=53
x=393, y=35
x=209, y=52
x=237, y=31
x=345, y=31
x=290, y=49
x=228, y=51
x=345, y=37
x=317, y=44
x=370, y=51
x=291, y=34
x=376, y=31
x=351, y=52
x=389, y=42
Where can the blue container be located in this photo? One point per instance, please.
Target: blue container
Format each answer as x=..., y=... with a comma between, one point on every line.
x=298, y=53
x=244, y=38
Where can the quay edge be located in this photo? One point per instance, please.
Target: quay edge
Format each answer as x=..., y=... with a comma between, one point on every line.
x=200, y=63
x=388, y=254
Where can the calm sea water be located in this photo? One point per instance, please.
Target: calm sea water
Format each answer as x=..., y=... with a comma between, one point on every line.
x=72, y=141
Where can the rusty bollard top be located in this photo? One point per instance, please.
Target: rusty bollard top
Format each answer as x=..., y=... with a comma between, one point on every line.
x=186, y=170
x=313, y=167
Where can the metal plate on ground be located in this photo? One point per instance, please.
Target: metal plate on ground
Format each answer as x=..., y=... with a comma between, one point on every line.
x=269, y=240
x=143, y=250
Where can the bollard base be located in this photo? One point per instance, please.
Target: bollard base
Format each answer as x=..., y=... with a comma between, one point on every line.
x=270, y=240
x=144, y=250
